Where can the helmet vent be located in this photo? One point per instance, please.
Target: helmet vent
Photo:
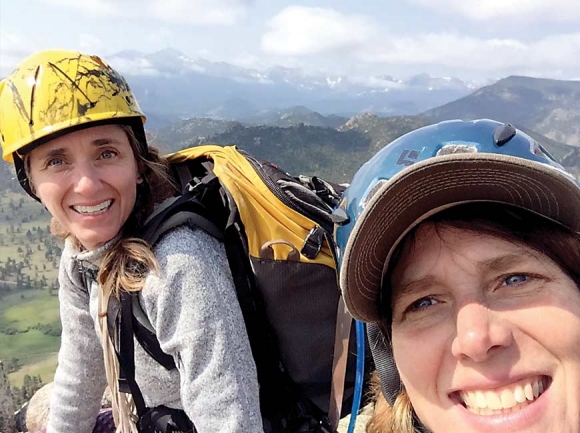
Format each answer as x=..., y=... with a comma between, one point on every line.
x=503, y=134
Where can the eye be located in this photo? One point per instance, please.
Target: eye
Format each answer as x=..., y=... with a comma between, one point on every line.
x=515, y=279
x=54, y=162
x=108, y=154
x=421, y=304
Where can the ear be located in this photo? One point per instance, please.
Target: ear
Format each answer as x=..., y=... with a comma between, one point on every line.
x=139, y=178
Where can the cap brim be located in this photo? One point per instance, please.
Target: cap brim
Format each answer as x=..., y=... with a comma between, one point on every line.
x=432, y=185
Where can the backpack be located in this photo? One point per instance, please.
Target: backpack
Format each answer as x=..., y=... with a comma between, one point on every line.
x=277, y=232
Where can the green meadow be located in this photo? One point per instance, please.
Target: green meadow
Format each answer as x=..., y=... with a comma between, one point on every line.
x=29, y=315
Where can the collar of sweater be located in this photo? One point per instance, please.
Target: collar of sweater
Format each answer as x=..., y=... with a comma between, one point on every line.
x=92, y=258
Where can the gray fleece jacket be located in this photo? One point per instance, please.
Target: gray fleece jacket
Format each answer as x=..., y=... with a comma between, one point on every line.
x=192, y=305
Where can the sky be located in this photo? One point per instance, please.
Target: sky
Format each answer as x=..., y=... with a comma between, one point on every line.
x=469, y=39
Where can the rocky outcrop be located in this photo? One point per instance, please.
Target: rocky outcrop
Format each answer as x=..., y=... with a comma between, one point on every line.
x=38, y=408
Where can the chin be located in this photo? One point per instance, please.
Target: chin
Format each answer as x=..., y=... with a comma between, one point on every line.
x=94, y=242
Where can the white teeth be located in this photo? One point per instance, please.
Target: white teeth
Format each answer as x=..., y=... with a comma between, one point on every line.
x=505, y=400
x=493, y=401
x=529, y=392
x=93, y=210
x=480, y=400
x=519, y=394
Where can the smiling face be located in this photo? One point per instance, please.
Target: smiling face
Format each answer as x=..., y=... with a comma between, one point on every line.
x=486, y=334
x=87, y=180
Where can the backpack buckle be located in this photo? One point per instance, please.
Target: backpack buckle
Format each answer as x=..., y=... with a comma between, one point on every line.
x=313, y=243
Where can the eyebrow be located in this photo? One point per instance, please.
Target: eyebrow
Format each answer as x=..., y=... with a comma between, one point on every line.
x=506, y=262
x=498, y=264
x=97, y=143
x=54, y=152
x=104, y=141
x=414, y=286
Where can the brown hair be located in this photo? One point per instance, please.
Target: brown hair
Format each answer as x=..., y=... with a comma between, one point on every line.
x=502, y=221
x=386, y=418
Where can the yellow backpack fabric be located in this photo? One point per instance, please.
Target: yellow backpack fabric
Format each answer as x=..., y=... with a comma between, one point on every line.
x=265, y=217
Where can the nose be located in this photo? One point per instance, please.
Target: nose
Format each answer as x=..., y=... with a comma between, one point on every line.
x=88, y=180
x=480, y=333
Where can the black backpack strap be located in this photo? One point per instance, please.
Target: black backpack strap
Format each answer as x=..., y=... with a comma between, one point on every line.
x=160, y=419
x=145, y=334
x=126, y=352
x=185, y=209
x=384, y=362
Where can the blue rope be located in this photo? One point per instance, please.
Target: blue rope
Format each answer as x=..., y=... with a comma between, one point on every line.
x=360, y=372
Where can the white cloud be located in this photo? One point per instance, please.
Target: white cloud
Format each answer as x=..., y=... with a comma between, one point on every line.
x=201, y=12
x=13, y=49
x=299, y=30
x=197, y=12
x=446, y=49
x=135, y=66
x=358, y=43
x=535, y=10
x=90, y=44
x=90, y=7
x=486, y=55
x=556, y=56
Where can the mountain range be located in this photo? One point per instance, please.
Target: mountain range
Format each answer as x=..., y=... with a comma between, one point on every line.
x=169, y=84
x=302, y=139
x=549, y=107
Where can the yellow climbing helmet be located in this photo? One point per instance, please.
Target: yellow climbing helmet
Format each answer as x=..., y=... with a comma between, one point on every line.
x=54, y=91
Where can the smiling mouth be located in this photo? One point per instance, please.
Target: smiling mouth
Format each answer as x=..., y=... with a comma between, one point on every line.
x=503, y=400
x=93, y=210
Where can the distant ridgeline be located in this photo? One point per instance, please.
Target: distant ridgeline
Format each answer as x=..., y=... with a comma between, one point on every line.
x=549, y=107
x=332, y=153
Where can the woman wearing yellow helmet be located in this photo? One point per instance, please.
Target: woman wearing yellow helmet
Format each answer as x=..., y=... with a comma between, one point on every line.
x=74, y=131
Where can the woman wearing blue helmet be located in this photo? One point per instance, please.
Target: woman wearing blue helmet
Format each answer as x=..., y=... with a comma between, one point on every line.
x=459, y=244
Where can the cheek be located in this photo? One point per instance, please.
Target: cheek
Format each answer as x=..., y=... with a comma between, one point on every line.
x=48, y=195
x=419, y=357
x=556, y=329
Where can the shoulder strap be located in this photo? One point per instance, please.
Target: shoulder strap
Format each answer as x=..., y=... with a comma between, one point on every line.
x=384, y=362
x=145, y=335
x=185, y=209
x=126, y=353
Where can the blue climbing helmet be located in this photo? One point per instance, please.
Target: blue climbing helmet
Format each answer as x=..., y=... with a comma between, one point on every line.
x=428, y=170
x=422, y=173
